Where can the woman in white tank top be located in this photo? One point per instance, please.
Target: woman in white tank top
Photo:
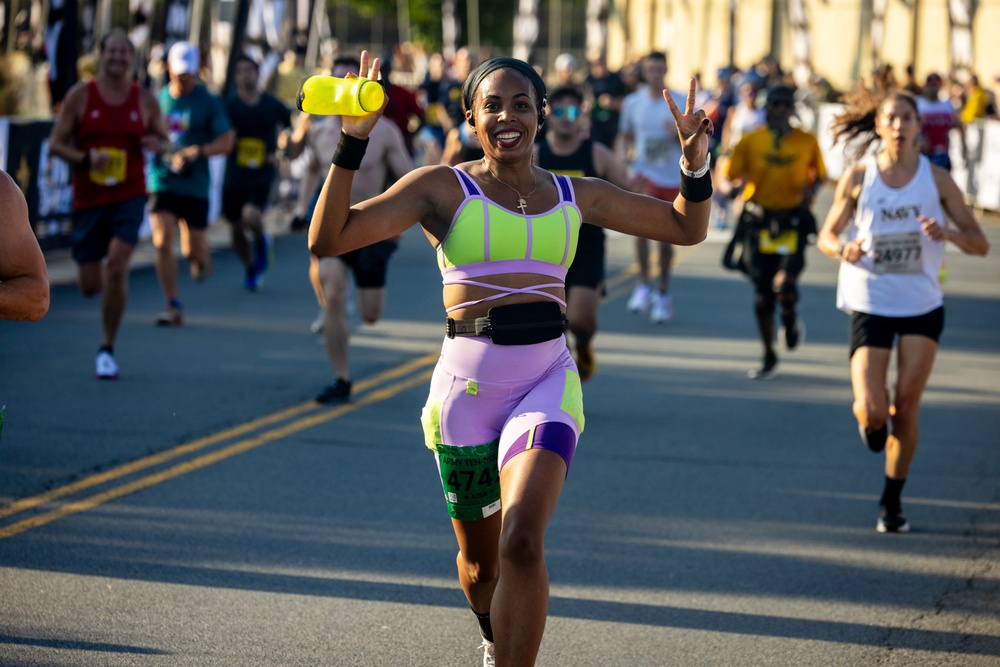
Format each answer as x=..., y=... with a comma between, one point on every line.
x=893, y=211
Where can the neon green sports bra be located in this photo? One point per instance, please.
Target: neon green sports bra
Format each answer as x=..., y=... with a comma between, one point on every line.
x=485, y=239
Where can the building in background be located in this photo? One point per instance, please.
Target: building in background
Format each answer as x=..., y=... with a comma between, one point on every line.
x=843, y=41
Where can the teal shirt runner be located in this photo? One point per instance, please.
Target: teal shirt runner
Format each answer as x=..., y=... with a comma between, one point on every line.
x=193, y=119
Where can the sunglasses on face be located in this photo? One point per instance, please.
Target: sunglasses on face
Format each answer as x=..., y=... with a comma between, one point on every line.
x=569, y=113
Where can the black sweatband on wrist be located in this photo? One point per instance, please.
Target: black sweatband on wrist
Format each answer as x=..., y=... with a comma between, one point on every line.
x=350, y=151
x=696, y=190
x=85, y=162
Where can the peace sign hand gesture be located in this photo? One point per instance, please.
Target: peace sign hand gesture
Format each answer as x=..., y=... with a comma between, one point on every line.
x=693, y=129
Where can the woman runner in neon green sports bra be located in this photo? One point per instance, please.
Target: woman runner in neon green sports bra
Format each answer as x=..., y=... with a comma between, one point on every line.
x=505, y=408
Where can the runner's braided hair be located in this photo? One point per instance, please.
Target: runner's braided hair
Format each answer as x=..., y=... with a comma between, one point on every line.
x=855, y=126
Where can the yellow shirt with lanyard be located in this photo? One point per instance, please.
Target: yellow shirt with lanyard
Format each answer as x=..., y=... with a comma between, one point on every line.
x=777, y=172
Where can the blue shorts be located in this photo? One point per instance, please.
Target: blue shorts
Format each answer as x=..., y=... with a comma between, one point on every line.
x=94, y=227
x=942, y=160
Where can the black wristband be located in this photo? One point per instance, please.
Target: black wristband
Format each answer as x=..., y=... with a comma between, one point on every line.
x=85, y=162
x=696, y=190
x=350, y=151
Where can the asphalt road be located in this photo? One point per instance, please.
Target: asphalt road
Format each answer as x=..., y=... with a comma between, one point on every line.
x=203, y=511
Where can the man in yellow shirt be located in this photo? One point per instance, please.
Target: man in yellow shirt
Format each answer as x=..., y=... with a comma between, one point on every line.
x=977, y=101
x=780, y=168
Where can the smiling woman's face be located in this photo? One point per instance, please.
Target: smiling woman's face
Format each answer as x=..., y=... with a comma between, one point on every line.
x=506, y=112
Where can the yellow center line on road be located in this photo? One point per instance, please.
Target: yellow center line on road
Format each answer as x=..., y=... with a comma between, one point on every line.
x=207, y=459
x=159, y=458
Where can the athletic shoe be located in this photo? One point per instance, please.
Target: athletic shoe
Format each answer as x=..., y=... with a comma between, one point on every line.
x=639, y=301
x=317, y=325
x=586, y=362
x=662, y=309
x=892, y=522
x=171, y=317
x=794, y=336
x=489, y=657
x=254, y=281
x=265, y=253
x=107, y=369
x=768, y=369
x=874, y=440
x=200, y=271
x=338, y=392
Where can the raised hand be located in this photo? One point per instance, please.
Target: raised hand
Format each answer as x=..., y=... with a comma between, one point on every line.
x=361, y=126
x=693, y=129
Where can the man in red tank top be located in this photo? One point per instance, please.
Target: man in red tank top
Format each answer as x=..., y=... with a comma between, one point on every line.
x=102, y=130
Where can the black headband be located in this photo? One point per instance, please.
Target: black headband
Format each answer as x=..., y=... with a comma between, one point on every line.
x=488, y=66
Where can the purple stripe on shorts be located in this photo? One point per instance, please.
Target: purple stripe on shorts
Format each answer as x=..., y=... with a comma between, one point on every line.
x=553, y=436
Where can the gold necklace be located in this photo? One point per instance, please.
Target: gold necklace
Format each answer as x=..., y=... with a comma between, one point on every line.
x=522, y=200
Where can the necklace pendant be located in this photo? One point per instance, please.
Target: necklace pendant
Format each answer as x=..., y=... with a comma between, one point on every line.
x=522, y=204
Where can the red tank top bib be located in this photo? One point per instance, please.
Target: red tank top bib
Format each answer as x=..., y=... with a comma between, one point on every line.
x=117, y=131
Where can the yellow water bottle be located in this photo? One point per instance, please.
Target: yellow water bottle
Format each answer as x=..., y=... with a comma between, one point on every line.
x=332, y=96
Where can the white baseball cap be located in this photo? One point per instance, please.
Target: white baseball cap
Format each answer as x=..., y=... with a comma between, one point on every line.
x=183, y=58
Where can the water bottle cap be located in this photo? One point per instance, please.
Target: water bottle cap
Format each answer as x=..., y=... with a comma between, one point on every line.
x=302, y=94
x=371, y=95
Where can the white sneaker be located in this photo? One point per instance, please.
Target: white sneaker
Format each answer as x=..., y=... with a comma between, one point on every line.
x=662, y=309
x=489, y=658
x=317, y=325
x=107, y=369
x=639, y=301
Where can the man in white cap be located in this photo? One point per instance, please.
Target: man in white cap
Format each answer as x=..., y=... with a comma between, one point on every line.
x=565, y=68
x=198, y=127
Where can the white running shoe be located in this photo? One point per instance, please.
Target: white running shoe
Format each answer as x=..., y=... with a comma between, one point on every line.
x=317, y=325
x=639, y=301
x=489, y=658
x=107, y=369
x=662, y=309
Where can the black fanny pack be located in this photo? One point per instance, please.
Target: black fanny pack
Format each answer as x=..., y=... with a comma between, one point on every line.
x=514, y=324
